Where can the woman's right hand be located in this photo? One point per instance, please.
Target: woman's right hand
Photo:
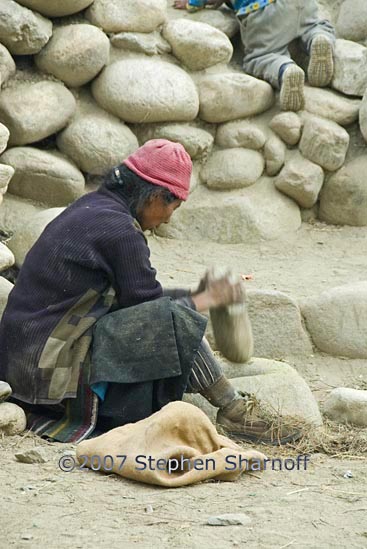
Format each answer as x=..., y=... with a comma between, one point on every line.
x=215, y=291
x=225, y=290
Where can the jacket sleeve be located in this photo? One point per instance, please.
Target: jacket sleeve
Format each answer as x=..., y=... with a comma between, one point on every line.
x=131, y=273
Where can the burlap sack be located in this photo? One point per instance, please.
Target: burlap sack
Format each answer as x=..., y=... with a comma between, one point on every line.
x=179, y=432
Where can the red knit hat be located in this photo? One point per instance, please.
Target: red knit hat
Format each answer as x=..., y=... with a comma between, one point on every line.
x=163, y=163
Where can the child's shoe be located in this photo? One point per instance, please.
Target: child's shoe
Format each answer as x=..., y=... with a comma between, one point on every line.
x=292, y=96
x=321, y=65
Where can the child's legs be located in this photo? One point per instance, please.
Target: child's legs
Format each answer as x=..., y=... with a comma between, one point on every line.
x=265, y=35
x=311, y=25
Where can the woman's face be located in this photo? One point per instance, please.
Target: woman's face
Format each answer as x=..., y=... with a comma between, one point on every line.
x=156, y=212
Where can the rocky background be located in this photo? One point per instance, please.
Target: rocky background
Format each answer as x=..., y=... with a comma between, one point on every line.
x=84, y=83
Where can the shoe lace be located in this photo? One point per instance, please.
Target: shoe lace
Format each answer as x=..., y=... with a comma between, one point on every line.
x=250, y=400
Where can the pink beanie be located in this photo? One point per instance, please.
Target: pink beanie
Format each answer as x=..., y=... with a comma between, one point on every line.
x=163, y=163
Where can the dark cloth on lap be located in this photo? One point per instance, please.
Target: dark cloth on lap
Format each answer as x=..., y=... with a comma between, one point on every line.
x=150, y=365
x=146, y=353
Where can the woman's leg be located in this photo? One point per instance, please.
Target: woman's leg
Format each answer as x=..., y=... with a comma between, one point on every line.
x=208, y=379
x=239, y=413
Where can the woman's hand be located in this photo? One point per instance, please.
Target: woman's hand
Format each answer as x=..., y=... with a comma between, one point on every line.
x=180, y=4
x=225, y=291
x=218, y=291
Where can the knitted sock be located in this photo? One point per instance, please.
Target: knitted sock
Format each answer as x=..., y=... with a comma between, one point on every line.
x=221, y=393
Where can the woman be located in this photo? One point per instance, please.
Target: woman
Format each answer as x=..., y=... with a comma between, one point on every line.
x=89, y=340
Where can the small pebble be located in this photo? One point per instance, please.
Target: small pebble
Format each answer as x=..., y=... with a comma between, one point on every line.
x=229, y=519
x=149, y=509
x=34, y=455
x=348, y=474
x=27, y=536
x=28, y=488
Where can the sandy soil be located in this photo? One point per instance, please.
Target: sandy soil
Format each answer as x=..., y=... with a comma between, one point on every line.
x=45, y=507
x=42, y=506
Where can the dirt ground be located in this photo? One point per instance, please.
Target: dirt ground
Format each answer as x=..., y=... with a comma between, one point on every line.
x=41, y=506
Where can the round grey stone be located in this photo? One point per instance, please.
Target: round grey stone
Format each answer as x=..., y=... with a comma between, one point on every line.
x=29, y=232
x=7, y=65
x=288, y=126
x=58, y=56
x=228, y=96
x=197, y=45
x=122, y=87
x=324, y=142
x=343, y=199
x=347, y=405
x=127, y=15
x=352, y=20
x=97, y=142
x=232, y=169
x=301, y=179
x=23, y=31
x=33, y=111
x=56, y=8
x=43, y=176
x=240, y=133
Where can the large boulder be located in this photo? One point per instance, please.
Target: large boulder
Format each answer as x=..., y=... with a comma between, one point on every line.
x=337, y=320
x=122, y=87
x=30, y=231
x=6, y=257
x=332, y=105
x=288, y=126
x=151, y=43
x=324, y=142
x=300, y=179
x=228, y=96
x=246, y=215
x=13, y=420
x=197, y=142
x=96, y=141
x=56, y=8
x=274, y=152
x=43, y=176
x=277, y=325
x=240, y=133
x=22, y=31
x=127, y=15
x=350, y=68
x=5, y=289
x=232, y=169
x=352, y=20
x=33, y=111
x=223, y=20
x=363, y=117
x=275, y=384
x=343, y=200
x=197, y=45
x=7, y=65
x=4, y=137
x=58, y=56
x=348, y=406
x=6, y=173
x=15, y=211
